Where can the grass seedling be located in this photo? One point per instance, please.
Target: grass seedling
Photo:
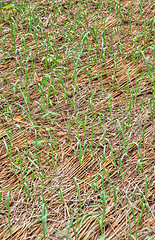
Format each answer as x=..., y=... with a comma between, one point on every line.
x=76, y=224
x=121, y=157
x=90, y=100
x=8, y=149
x=130, y=234
x=78, y=192
x=44, y=218
x=61, y=194
x=140, y=161
x=70, y=225
x=91, y=141
x=102, y=120
x=74, y=76
x=112, y=153
x=136, y=223
x=102, y=201
x=110, y=185
x=27, y=191
x=79, y=150
x=145, y=195
x=122, y=133
x=8, y=206
x=69, y=124
x=149, y=65
x=21, y=167
x=142, y=133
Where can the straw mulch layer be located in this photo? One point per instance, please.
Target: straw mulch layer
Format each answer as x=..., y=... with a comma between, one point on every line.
x=33, y=174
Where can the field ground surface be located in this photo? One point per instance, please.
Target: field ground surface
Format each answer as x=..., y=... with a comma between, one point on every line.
x=77, y=120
